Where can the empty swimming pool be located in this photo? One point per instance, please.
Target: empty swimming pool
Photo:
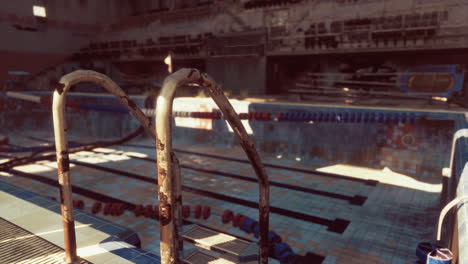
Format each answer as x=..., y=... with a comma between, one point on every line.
x=347, y=184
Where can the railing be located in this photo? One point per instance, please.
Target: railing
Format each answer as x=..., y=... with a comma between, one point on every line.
x=61, y=143
x=169, y=181
x=455, y=180
x=168, y=177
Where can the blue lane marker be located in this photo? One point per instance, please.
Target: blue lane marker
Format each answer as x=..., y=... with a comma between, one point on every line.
x=396, y=117
x=381, y=117
x=346, y=117
x=403, y=118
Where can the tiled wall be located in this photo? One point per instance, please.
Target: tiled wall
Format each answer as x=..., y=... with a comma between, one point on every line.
x=410, y=142
x=25, y=117
x=363, y=137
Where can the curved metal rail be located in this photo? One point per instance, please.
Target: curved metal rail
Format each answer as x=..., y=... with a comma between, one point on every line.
x=444, y=212
x=61, y=143
x=168, y=178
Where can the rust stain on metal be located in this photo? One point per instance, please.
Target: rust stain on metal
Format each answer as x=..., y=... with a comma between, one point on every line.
x=163, y=173
x=169, y=248
x=201, y=81
x=61, y=195
x=192, y=71
x=165, y=216
x=159, y=144
x=63, y=165
x=131, y=104
x=59, y=87
x=63, y=157
x=70, y=240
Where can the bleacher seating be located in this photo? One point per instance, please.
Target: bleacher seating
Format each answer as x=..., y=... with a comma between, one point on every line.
x=268, y=3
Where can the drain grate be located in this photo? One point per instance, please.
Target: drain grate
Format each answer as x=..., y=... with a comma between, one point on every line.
x=19, y=246
x=198, y=257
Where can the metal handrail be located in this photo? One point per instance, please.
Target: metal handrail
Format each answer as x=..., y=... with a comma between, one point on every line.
x=444, y=211
x=169, y=181
x=61, y=144
x=462, y=133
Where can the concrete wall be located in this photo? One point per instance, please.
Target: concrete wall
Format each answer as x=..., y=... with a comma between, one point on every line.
x=81, y=11
x=240, y=75
x=67, y=25
x=33, y=44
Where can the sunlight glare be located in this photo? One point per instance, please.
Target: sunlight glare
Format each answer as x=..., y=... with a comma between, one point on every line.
x=386, y=176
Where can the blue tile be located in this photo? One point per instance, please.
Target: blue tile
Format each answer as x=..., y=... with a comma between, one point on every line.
x=88, y=219
x=142, y=251
x=145, y=260
x=4, y=186
x=13, y=192
x=110, y=239
x=56, y=208
x=42, y=202
x=103, y=220
x=111, y=229
x=154, y=256
x=25, y=194
x=126, y=253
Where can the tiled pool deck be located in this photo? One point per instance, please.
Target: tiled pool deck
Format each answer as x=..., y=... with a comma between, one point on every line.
x=399, y=212
x=98, y=240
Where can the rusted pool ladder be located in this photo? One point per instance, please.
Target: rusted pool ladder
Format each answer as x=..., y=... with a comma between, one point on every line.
x=61, y=144
x=169, y=181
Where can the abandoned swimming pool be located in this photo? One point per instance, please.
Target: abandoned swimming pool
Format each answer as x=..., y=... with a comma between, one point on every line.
x=347, y=184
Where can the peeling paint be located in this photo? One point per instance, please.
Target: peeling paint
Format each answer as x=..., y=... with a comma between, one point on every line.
x=191, y=73
x=163, y=175
x=61, y=142
x=169, y=236
x=59, y=87
x=165, y=216
x=159, y=144
x=63, y=165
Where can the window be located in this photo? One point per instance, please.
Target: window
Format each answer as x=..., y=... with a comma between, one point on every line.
x=39, y=11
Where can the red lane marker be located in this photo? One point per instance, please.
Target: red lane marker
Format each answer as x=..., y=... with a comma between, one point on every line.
x=206, y=212
x=96, y=207
x=228, y=215
x=186, y=211
x=198, y=210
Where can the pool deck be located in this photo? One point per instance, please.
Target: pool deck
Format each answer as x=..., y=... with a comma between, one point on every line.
x=31, y=232
x=313, y=213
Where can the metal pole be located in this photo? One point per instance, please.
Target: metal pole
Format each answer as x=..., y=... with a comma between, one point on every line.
x=61, y=144
x=444, y=212
x=167, y=190
x=177, y=181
